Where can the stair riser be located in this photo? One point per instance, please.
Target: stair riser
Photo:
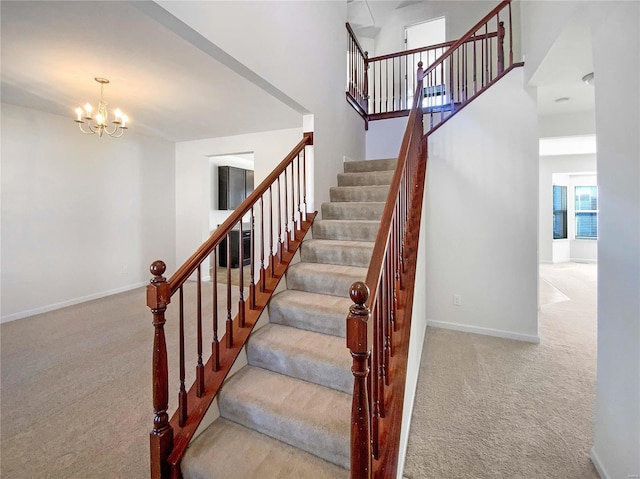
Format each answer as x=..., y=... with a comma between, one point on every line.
x=365, y=178
x=333, y=376
x=359, y=193
x=353, y=211
x=349, y=231
x=281, y=408
x=348, y=256
x=335, y=285
x=307, y=317
x=369, y=165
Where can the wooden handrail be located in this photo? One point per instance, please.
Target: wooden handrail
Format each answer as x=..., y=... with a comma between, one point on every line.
x=388, y=89
x=430, y=47
x=355, y=39
x=379, y=321
x=189, y=267
x=377, y=314
x=469, y=34
x=170, y=438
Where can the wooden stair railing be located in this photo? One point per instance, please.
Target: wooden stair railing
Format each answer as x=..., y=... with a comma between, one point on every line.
x=469, y=67
x=276, y=217
x=383, y=86
x=379, y=321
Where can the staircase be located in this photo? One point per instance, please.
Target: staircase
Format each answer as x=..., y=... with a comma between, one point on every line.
x=286, y=414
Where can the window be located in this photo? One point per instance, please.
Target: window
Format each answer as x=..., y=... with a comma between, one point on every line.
x=586, y=212
x=559, y=212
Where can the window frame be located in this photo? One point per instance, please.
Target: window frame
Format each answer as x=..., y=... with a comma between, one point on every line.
x=583, y=212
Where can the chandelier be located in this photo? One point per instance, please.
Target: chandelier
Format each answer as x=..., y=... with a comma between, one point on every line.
x=98, y=124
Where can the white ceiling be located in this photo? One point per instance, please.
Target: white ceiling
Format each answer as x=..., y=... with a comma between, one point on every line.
x=51, y=52
x=367, y=17
x=560, y=74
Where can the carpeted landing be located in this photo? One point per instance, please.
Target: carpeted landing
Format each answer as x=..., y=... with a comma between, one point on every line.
x=287, y=413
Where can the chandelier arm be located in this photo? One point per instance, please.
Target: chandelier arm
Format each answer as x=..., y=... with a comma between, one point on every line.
x=115, y=133
x=111, y=133
x=90, y=132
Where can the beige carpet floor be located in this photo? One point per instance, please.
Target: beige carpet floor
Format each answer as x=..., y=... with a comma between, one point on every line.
x=496, y=408
x=75, y=394
x=76, y=385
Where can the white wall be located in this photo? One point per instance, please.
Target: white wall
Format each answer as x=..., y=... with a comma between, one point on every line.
x=482, y=215
x=300, y=50
x=555, y=170
x=193, y=178
x=384, y=137
x=82, y=216
x=615, y=41
x=542, y=23
x=567, y=124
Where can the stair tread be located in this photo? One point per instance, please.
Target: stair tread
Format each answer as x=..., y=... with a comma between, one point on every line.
x=227, y=450
x=311, y=311
x=312, y=417
x=308, y=355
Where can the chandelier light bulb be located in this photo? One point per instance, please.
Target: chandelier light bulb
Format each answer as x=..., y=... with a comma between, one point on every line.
x=99, y=125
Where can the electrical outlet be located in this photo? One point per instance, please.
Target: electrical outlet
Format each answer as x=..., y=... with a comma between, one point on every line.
x=457, y=300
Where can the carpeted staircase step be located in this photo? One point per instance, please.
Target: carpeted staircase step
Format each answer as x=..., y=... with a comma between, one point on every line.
x=320, y=278
x=359, y=193
x=226, y=450
x=349, y=230
x=310, y=311
x=353, y=210
x=366, y=178
x=311, y=417
x=348, y=253
x=370, y=165
x=307, y=355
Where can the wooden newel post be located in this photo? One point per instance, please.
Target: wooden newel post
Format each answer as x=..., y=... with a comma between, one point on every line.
x=501, y=33
x=359, y=334
x=161, y=437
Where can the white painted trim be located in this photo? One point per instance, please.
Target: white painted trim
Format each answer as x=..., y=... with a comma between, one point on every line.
x=498, y=333
x=580, y=260
x=598, y=465
x=71, y=302
x=404, y=435
x=544, y=261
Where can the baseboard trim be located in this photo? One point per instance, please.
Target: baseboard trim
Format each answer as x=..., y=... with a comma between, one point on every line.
x=597, y=464
x=71, y=302
x=498, y=333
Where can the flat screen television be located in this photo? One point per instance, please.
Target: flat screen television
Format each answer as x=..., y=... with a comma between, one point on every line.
x=234, y=185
